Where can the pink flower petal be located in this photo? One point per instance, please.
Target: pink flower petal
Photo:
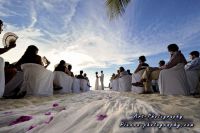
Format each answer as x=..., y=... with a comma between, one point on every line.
x=20, y=120
x=101, y=117
x=31, y=127
x=55, y=104
x=47, y=113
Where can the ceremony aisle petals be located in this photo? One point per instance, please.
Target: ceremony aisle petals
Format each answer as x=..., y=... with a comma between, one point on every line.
x=47, y=113
x=20, y=120
x=31, y=127
x=101, y=117
x=55, y=104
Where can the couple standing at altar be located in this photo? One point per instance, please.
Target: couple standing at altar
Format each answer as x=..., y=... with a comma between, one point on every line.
x=97, y=87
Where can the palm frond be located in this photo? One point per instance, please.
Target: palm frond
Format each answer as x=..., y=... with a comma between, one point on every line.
x=116, y=8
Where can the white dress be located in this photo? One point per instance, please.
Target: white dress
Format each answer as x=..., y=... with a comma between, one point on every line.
x=97, y=83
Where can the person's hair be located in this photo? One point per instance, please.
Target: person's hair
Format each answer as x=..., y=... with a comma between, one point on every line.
x=142, y=58
x=128, y=70
x=62, y=63
x=31, y=50
x=121, y=69
x=69, y=67
x=96, y=73
x=81, y=72
x=101, y=71
x=85, y=74
x=173, y=47
x=1, y=22
x=162, y=63
x=118, y=71
x=195, y=53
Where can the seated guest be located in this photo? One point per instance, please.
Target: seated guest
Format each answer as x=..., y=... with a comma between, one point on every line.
x=61, y=67
x=124, y=80
x=194, y=64
x=10, y=72
x=69, y=72
x=129, y=72
x=176, y=57
x=150, y=73
x=122, y=72
x=192, y=68
x=142, y=65
x=117, y=75
x=80, y=76
x=172, y=78
x=30, y=56
x=137, y=75
x=85, y=77
x=113, y=76
x=2, y=51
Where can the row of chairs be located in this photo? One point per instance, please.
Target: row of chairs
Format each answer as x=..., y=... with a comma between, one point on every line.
x=39, y=81
x=173, y=81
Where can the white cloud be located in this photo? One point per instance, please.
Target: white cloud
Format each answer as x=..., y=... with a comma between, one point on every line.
x=80, y=33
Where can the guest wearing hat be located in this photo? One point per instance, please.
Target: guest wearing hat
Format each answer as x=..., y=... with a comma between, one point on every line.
x=12, y=43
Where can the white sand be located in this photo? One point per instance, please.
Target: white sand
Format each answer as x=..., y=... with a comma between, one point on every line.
x=81, y=111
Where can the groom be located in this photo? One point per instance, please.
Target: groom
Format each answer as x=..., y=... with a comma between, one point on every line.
x=101, y=80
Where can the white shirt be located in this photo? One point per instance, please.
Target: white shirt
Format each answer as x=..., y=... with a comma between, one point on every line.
x=193, y=64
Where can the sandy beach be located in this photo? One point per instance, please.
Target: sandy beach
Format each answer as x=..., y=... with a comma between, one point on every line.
x=76, y=113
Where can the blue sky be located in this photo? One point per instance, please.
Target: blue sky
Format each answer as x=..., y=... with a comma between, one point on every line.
x=80, y=32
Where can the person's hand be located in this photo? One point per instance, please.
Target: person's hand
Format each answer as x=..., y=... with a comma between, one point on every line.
x=12, y=44
x=48, y=62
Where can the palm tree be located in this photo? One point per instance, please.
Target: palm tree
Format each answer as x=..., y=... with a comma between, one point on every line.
x=116, y=7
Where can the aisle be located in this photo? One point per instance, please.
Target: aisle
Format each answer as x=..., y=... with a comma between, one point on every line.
x=90, y=112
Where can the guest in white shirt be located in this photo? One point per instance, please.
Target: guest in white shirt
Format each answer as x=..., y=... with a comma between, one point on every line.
x=194, y=64
x=192, y=68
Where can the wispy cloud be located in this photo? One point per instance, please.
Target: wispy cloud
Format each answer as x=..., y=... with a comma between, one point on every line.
x=80, y=32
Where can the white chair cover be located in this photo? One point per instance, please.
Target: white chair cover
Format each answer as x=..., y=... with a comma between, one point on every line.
x=115, y=85
x=136, y=77
x=173, y=81
x=193, y=80
x=76, y=86
x=125, y=83
x=63, y=80
x=37, y=80
x=199, y=82
x=15, y=82
x=84, y=85
x=110, y=85
x=2, y=77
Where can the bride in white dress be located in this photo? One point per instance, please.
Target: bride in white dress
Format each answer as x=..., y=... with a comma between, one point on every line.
x=97, y=82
